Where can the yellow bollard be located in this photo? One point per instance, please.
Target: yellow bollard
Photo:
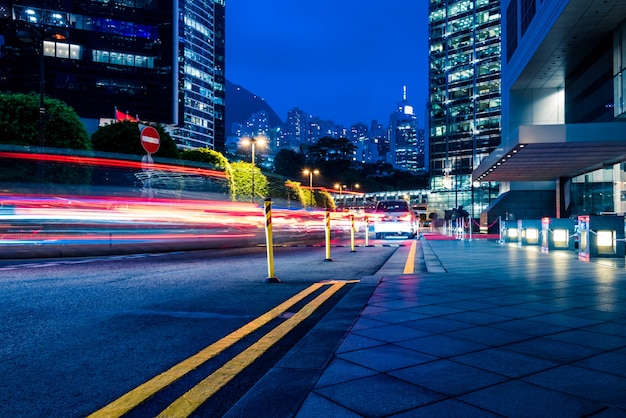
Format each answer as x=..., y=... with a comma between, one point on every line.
x=352, y=233
x=367, y=231
x=328, y=236
x=269, y=243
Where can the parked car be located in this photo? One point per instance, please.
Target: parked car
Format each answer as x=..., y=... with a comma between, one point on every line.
x=394, y=217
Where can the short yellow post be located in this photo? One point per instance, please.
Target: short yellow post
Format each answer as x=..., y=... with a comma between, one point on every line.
x=327, y=219
x=269, y=243
x=352, y=233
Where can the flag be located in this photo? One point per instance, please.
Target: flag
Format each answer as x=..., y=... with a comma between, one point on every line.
x=121, y=116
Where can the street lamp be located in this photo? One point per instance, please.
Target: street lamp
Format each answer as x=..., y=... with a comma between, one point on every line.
x=341, y=188
x=310, y=173
x=252, y=141
x=31, y=36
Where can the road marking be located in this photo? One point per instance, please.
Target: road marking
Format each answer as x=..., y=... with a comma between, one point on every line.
x=196, y=396
x=409, y=266
x=135, y=397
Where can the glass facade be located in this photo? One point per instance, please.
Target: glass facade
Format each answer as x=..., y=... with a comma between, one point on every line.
x=619, y=71
x=464, y=102
x=141, y=56
x=201, y=81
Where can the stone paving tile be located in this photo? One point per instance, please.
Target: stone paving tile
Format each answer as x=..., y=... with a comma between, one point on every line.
x=470, y=305
x=434, y=310
x=437, y=325
x=478, y=317
x=566, y=320
x=449, y=408
x=442, y=346
x=504, y=362
x=529, y=327
x=378, y=396
x=512, y=312
x=365, y=322
x=354, y=342
x=341, y=371
x=612, y=363
x=590, y=339
x=448, y=378
x=397, y=316
x=386, y=358
x=391, y=333
x=316, y=406
x=488, y=335
x=583, y=383
x=552, y=350
x=519, y=399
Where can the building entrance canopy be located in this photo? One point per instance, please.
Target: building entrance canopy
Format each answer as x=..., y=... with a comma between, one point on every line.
x=547, y=152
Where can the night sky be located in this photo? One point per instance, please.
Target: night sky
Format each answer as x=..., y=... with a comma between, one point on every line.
x=343, y=60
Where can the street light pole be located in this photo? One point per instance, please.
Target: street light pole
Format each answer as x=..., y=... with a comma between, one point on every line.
x=310, y=174
x=42, y=107
x=253, y=141
x=253, y=165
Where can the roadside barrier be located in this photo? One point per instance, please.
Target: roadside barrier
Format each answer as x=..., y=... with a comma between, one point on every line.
x=352, y=233
x=269, y=244
x=327, y=229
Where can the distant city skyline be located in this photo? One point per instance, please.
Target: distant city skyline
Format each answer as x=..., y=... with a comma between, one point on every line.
x=342, y=61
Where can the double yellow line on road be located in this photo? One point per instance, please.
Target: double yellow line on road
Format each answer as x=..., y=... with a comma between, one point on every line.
x=191, y=400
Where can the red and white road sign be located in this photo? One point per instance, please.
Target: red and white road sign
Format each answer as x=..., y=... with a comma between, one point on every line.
x=150, y=139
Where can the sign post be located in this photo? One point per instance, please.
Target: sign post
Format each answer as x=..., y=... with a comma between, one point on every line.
x=150, y=141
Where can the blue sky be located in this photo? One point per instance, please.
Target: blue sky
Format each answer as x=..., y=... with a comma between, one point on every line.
x=344, y=60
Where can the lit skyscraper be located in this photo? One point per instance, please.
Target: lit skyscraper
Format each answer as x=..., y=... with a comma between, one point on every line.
x=403, y=137
x=202, y=83
x=464, y=102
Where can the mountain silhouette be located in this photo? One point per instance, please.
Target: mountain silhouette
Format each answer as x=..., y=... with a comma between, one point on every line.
x=241, y=104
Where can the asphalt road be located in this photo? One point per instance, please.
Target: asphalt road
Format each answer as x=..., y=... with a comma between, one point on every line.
x=79, y=333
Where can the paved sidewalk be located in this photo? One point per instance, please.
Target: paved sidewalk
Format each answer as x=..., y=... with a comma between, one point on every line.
x=488, y=330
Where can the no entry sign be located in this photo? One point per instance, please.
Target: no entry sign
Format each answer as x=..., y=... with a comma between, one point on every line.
x=150, y=139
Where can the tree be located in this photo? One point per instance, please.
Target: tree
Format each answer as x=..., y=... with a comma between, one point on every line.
x=242, y=182
x=123, y=138
x=214, y=158
x=332, y=156
x=19, y=123
x=289, y=163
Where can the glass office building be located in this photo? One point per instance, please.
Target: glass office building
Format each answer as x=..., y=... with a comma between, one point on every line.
x=563, y=152
x=160, y=61
x=464, y=102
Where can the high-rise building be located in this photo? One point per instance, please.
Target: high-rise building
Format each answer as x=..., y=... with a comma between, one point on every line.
x=162, y=64
x=464, y=102
x=403, y=140
x=295, y=131
x=359, y=136
x=201, y=71
x=563, y=152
